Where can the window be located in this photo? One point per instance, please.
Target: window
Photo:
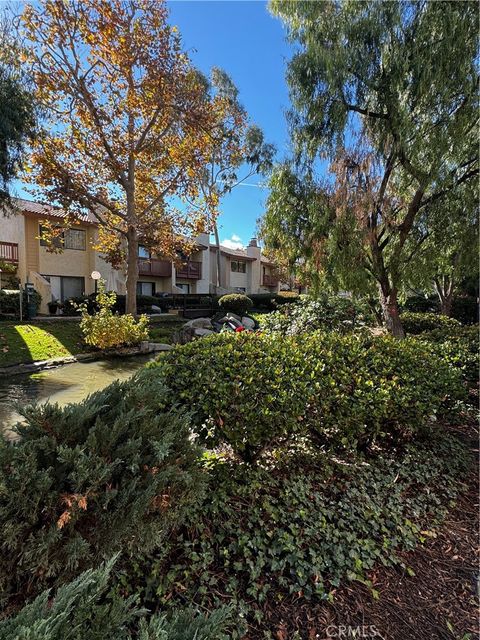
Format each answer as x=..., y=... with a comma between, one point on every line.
x=75, y=239
x=143, y=253
x=64, y=287
x=145, y=288
x=185, y=288
x=57, y=242
x=69, y=239
x=238, y=266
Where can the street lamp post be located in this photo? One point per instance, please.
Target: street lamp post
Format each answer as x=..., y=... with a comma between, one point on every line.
x=95, y=275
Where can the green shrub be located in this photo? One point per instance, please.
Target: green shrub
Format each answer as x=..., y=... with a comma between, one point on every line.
x=241, y=390
x=286, y=297
x=113, y=472
x=421, y=304
x=459, y=346
x=465, y=309
x=10, y=301
x=416, y=323
x=83, y=610
x=326, y=312
x=253, y=391
x=301, y=526
x=74, y=306
x=235, y=303
x=106, y=330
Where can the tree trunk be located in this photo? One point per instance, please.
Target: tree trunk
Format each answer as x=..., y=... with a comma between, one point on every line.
x=444, y=289
x=132, y=271
x=391, y=315
x=219, y=261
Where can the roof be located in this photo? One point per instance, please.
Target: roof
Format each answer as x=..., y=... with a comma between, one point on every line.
x=48, y=211
x=240, y=254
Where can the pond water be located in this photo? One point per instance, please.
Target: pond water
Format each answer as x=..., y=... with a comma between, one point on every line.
x=69, y=383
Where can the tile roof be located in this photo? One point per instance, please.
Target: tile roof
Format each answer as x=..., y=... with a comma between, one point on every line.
x=233, y=253
x=47, y=210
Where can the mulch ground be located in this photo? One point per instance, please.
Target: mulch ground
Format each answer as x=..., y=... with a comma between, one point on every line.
x=439, y=602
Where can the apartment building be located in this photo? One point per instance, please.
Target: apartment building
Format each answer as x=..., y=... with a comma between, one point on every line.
x=58, y=276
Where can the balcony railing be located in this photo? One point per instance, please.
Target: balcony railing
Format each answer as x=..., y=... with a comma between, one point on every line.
x=269, y=280
x=9, y=252
x=155, y=267
x=190, y=270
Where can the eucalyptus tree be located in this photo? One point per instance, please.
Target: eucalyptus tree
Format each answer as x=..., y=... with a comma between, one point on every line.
x=388, y=91
x=237, y=150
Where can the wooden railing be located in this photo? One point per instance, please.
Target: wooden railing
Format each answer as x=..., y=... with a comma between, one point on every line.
x=155, y=267
x=9, y=252
x=269, y=280
x=190, y=270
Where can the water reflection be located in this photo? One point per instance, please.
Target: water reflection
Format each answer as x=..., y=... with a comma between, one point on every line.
x=70, y=383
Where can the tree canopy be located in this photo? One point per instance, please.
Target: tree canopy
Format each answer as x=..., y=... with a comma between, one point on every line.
x=17, y=110
x=127, y=123
x=388, y=93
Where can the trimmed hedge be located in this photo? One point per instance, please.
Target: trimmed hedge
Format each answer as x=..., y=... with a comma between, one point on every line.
x=114, y=472
x=255, y=391
x=235, y=303
x=416, y=323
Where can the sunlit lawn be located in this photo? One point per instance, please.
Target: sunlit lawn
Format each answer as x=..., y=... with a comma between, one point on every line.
x=23, y=342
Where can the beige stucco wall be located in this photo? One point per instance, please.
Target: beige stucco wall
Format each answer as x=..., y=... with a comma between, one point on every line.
x=12, y=229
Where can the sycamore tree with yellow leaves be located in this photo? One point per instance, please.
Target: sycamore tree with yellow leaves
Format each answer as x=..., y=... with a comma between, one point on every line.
x=127, y=126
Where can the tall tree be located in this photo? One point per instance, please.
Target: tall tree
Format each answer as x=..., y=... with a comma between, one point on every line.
x=295, y=225
x=127, y=122
x=448, y=242
x=237, y=151
x=17, y=109
x=399, y=81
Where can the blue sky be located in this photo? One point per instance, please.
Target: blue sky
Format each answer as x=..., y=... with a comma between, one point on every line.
x=241, y=37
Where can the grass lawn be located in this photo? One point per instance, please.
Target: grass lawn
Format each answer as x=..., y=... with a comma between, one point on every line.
x=25, y=342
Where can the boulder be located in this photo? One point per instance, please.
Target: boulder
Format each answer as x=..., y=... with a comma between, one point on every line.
x=200, y=333
x=199, y=323
x=248, y=323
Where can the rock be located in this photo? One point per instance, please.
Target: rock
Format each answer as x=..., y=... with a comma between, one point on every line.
x=248, y=323
x=159, y=346
x=155, y=309
x=200, y=333
x=234, y=316
x=199, y=323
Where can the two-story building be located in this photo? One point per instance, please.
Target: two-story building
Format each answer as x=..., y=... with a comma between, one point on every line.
x=66, y=274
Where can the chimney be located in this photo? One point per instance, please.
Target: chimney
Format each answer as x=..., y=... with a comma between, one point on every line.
x=253, y=243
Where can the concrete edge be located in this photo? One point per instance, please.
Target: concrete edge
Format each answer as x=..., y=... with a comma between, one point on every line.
x=40, y=365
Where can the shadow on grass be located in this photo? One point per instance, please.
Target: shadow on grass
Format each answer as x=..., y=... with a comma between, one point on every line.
x=23, y=342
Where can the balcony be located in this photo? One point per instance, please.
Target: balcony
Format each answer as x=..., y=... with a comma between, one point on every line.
x=269, y=280
x=9, y=252
x=155, y=267
x=190, y=270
